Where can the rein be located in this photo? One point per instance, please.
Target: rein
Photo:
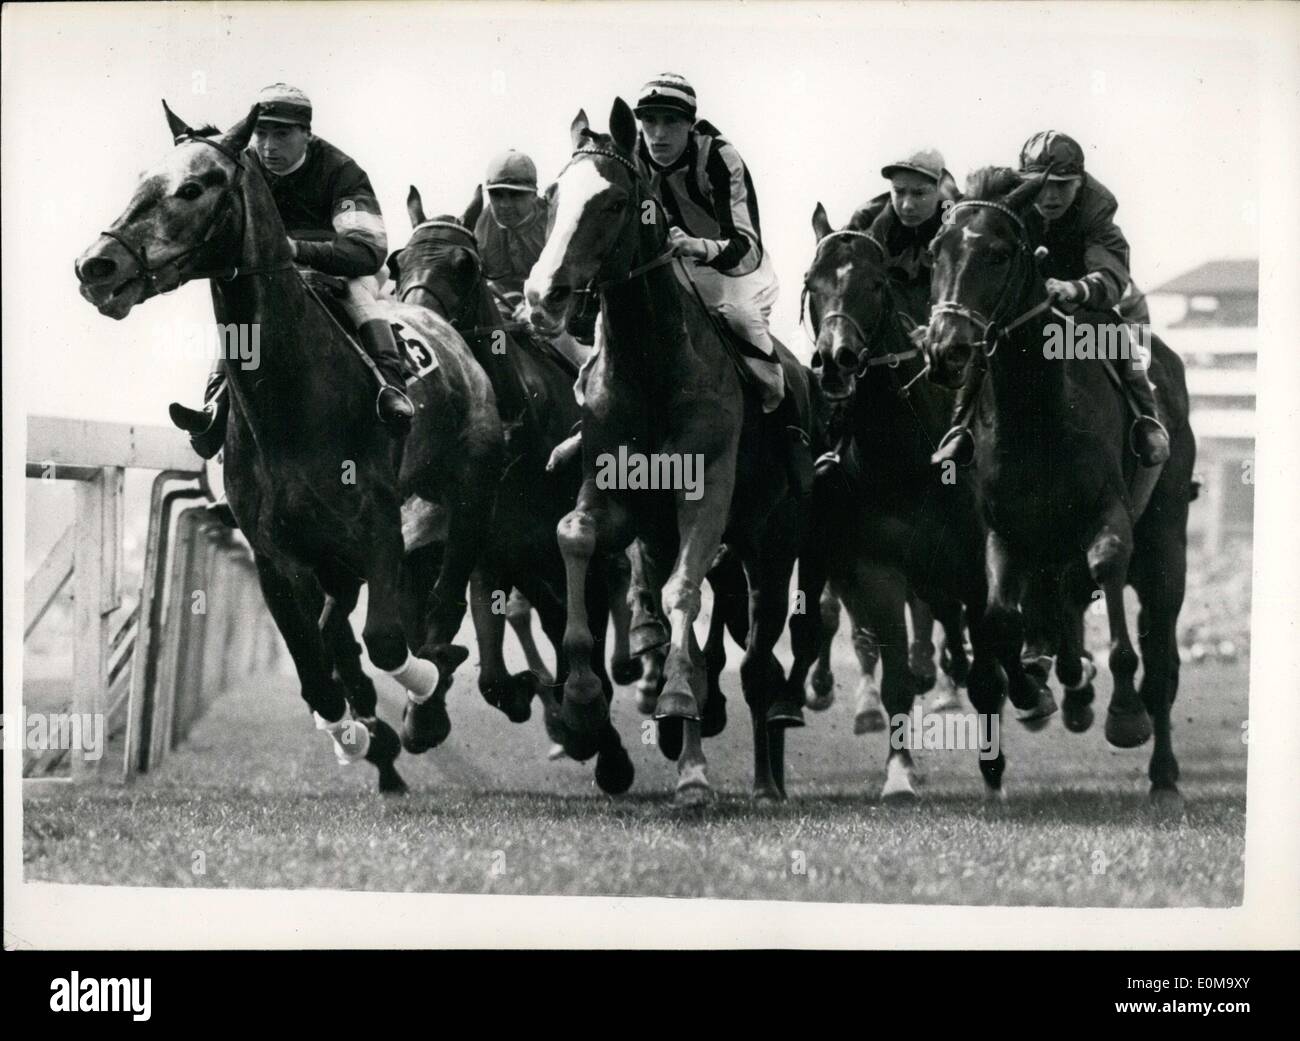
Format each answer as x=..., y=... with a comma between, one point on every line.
x=219, y=213
x=991, y=334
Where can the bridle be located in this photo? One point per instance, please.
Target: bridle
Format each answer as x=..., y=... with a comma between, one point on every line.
x=593, y=291
x=219, y=213
x=991, y=333
x=866, y=360
x=469, y=246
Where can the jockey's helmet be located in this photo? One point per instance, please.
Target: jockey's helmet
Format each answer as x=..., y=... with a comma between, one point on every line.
x=667, y=91
x=928, y=162
x=512, y=171
x=281, y=103
x=1050, y=148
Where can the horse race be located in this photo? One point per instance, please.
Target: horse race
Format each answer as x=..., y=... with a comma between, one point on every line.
x=748, y=452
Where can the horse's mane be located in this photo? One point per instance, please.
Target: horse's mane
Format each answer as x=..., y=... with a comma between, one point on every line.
x=206, y=130
x=990, y=183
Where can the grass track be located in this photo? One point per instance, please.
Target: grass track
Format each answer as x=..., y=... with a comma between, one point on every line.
x=256, y=792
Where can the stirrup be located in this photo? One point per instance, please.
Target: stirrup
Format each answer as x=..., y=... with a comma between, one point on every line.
x=1156, y=432
x=957, y=445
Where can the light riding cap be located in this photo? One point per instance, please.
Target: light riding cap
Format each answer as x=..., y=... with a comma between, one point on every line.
x=513, y=171
x=928, y=162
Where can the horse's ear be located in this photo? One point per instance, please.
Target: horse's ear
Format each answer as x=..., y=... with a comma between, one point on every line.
x=820, y=222
x=414, y=207
x=238, y=136
x=622, y=126
x=1027, y=191
x=175, y=124
x=475, y=208
x=395, y=264
x=578, y=127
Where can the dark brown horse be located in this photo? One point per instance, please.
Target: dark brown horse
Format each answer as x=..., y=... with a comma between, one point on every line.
x=315, y=482
x=663, y=388
x=440, y=268
x=895, y=522
x=1059, y=490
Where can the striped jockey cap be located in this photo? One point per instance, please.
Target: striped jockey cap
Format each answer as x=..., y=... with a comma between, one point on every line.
x=667, y=91
x=281, y=103
x=1051, y=148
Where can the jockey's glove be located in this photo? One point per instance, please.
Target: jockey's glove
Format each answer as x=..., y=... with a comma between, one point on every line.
x=684, y=245
x=1075, y=292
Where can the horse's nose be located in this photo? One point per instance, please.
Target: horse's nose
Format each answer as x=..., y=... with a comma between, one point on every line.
x=95, y=270
x=845, y=359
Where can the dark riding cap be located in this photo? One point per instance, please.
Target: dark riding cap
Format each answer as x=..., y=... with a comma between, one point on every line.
x=513, y=171
x=667, y=91
x=1049, y=148
x=281, y=103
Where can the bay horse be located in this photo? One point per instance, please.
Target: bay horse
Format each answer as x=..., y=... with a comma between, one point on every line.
x=662, y=384
x=893, y=522
x=1059, y=491
x=440, y=269
x=313, y=479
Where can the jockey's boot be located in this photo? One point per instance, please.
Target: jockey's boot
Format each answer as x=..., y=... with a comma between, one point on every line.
x=958, y=444
x=1147, y=437
x=392, y=405
x=798, y=454
x=206, y=426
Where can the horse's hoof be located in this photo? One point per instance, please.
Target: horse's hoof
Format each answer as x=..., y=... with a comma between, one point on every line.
x=768, y=794
x=384, y=748
x=818, y=702
x=677, y=704
x=513, y=696
x=669, y=734
x=1167, y=801
x=900, y=786
x=425, y=726
x=869, y=720
x=1077, y=713
x=1128, y=729
x=1036, y=718
x=556, y=751
x=625, y=671
x=785, y=712
x=390, y=782
x=693, y=795
x=614, y=771
x=899, y=797
x=713, y=720
x=995, y=796
x=645, y=701
x=946, y=699
x=581, y=725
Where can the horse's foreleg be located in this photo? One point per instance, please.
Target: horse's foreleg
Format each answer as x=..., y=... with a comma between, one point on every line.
x=761, y=676
x=955, y=665
x=625, y=668
x=1160, y=583
x=519, y=613
x=1005, y=623
x=819, y=693
x=1074, y=666
x=1127, y=722
x=513, y=695
x=920, y=655
x=584, y=711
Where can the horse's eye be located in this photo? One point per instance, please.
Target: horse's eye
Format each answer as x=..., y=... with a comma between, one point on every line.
x=189, y=191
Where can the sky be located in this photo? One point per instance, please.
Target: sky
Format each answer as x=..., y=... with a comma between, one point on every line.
x=817, y=97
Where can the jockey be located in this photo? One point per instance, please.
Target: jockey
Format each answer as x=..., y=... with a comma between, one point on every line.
x=906, y=219
x=1087, y=266
x=334, y=226
x=708, y=195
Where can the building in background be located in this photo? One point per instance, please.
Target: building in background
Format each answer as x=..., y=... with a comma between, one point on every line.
x=1209, y=315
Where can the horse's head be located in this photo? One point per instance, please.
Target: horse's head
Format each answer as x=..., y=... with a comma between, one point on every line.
x=849, y=302
x=982, y=271
x=183, y=219
x=595, y=199
x=439, y=268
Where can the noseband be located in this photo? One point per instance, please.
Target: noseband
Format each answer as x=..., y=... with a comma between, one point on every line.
x=219, y=213
x=866, y=361
x=991, y=334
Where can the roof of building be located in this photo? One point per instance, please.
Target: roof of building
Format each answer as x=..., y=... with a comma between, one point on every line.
x=1215, y=278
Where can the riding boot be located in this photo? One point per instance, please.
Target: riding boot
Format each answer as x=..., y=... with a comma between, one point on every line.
x=1147, y=437
x=206, y=426
x=392, y=405
x=798, y=454
x=958, y=444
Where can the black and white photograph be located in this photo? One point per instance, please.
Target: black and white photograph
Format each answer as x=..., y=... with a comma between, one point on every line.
x=798, y=475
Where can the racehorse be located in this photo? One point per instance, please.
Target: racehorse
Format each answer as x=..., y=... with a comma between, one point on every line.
x=663, y=385
x=440, y=268
x=314, y=481
x=1061, y=494
x=891, y=521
